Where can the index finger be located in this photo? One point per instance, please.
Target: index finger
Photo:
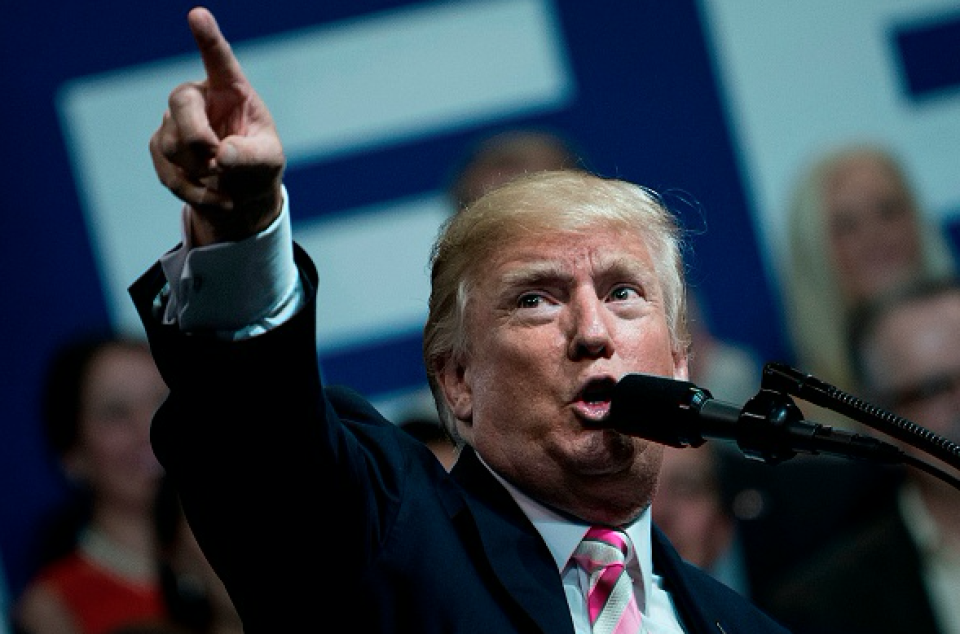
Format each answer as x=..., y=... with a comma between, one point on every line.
x=223, y=68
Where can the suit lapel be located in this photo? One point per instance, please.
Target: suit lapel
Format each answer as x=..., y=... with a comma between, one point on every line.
x=693, y=616
x=514, y=550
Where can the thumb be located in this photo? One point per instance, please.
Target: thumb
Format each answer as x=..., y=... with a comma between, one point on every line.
x=228, y=155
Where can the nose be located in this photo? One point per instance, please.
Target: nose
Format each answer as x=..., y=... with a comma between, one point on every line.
x=590, y=336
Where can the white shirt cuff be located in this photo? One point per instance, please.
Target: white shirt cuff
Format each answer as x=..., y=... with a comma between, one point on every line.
x=234, y=289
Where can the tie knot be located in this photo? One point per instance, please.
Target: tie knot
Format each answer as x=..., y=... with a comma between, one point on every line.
x=611, y=605
x=601, y=548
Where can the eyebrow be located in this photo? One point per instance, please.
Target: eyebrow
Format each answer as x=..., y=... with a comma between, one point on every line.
x=535, y=273
x=539, y=272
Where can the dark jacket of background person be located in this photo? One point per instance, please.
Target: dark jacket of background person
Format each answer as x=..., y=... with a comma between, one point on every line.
x=855, y=579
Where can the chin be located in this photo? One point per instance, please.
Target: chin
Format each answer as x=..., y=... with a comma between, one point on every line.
x=608, y=452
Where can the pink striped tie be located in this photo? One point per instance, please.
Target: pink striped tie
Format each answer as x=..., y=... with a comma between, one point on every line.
x=610, y=601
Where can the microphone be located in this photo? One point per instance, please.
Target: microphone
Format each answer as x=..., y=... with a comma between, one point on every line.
x=768, y=428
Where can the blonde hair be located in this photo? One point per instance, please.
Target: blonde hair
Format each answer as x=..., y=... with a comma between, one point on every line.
x=817, y=311
x=558, y=201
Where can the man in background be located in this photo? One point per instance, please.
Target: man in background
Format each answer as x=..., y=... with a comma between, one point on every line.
x=899, y=572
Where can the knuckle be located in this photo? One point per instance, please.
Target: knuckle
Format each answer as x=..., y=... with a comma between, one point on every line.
x=182, y=96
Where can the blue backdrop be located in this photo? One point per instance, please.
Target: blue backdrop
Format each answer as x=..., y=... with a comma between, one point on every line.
x=377, y=100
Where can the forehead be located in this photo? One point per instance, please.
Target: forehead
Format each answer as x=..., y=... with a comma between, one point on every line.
x=597, y=250
x=119, y=369
x=860, y=169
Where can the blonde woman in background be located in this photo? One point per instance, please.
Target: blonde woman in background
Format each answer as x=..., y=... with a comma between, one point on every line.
x=855, y=230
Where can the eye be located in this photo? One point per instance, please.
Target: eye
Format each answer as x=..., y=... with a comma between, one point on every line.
x=113, y=413
x=623, y=294
x=530, y=300
x=892, y=210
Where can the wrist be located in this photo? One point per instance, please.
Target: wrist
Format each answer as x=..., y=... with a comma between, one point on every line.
x=213, y=225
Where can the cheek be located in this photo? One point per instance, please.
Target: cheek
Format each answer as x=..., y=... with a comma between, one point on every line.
x=939, y=417
x=101, y=443
x=513, y=360
x=650, y=351
x=120, y=452
x=843, y=252
x=115, y=442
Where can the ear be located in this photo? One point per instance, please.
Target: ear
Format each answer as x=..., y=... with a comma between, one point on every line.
x=454, y=380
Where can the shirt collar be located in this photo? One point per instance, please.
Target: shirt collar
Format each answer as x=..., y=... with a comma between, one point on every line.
x=920, y=524
x=562, y=534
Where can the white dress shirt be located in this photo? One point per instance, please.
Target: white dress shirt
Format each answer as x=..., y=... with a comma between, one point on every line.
x=562, y=535
x=940, y=565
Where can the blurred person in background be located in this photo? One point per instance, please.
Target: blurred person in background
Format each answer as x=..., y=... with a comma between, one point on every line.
x=194, y=597
x=690, y=507
x=730, y=370
x=899, y=571
x=855, y=229
x=746, y=522
x=504, y=155
x=96, y=562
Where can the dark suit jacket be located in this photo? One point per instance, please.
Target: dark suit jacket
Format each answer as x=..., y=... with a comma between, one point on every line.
x=866, y=582
x=319, y=515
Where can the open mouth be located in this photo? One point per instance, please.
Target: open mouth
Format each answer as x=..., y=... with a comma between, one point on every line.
x=593, y=401
x=597, y=391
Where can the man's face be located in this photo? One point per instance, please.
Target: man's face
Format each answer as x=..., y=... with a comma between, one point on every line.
x=552, y=324
x=916, y=361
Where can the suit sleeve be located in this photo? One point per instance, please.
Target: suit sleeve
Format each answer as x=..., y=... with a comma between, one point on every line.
x=267, y=470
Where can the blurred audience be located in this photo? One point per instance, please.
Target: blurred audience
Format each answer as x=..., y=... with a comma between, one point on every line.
x=731, y=371
x=691, y=508
x=96, y=565
x=195, y=599
x=735, y=517
x=194, y=596
x=899, y=572
x=855, y=229
x=499, y=157
x=427, y=429
x=5, y=601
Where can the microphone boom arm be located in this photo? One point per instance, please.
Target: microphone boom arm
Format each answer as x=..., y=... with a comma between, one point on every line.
x=783, y=378
x=770, y=427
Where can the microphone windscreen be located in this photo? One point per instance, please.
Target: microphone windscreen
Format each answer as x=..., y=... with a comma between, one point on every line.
x=657, y=408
